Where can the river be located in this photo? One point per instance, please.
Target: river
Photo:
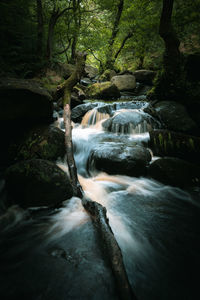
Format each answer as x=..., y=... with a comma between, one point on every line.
x=57, y=256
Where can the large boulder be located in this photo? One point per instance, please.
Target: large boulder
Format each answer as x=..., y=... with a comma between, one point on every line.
x=130, y=121
x=118, y=158
x=175, y=116
x=124, y=82
x=90, y=71
x=24, y=100
x=44, y=142
x=37, y=182
x=105, y=90
x=175, y=171
x=144, y=76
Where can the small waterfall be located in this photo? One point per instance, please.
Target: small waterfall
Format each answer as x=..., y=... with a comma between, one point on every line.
x=92, y=117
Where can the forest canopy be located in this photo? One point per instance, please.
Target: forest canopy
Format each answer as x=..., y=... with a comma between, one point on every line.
x=118, y=34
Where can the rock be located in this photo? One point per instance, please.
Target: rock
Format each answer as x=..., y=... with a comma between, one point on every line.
x=175, y=116
x=86, y=81
x=24, y=100
x=37, y=182
x=105, y=90
x=192, y=67
x=144, y=76
x=124, y=82
x=130, y=121
x=107, y=75
x=170, y=143
x=64, y=70
x=44, y=142
x=175, y=171
x=118, y=158
x=90, y=71
x=79, y=111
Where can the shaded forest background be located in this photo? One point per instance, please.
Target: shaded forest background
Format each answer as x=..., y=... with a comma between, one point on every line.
x=122, y=35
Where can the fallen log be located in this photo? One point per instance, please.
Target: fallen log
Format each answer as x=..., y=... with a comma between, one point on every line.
x=110, y=248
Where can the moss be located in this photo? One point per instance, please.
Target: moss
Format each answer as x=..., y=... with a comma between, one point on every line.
x=160, y=139
x=191, y=143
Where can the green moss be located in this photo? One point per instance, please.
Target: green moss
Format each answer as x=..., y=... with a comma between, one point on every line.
x=160, y=137
x=191, y=143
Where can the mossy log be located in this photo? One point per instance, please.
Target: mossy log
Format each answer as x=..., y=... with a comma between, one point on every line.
x=110, y=248
x=169, y=143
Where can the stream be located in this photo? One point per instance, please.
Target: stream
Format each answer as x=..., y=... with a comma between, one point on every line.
x=58, y=256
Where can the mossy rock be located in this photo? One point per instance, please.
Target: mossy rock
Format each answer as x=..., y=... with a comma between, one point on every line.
x=44, y=142
x=107, y=75
x=37, y=182
x=175, y=172
x=105, y=90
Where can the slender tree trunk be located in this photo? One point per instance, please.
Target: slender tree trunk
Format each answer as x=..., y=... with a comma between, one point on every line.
x=40, y=28
x=110, y=60
x=56, y=14
x=77, y=24
x=52, y=23
x=128, y=36
x=66, y=89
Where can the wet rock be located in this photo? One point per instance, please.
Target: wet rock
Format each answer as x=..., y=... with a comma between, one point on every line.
x=24, y=100
x=37, y=182
x=144, y=76
x=79, y=111
x=44, y=142
x=175, y=116
x=118, y=158
x=175, y=172
x=86, y=81
x=124, y=82
x=130, y=121
x=105, y=90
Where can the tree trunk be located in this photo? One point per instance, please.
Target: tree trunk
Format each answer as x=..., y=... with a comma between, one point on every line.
x=77, y=24
x=66, y=89
x=170, y=82
x=110, y=248
x=56, y=14
x=172, y=54
x=40, y=28
x=110, y=60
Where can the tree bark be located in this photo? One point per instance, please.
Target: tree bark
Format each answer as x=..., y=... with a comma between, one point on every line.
x=172, y=54
x=56, y=14
x=110, y=248
x=66, y=89
x=110, y=57
x=77, y=24
x=40, y=28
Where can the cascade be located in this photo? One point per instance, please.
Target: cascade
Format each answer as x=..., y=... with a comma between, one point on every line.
x=156, y=227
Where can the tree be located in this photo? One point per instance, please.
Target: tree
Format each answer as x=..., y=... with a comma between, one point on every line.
x=40, y=28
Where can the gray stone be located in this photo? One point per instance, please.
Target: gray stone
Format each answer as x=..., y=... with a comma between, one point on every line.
x=124, y=82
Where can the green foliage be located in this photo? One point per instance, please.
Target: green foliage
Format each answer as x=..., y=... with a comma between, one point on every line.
x=88, y=27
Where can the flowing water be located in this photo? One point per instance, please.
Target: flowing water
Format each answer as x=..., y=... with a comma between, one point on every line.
x=156, y=226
